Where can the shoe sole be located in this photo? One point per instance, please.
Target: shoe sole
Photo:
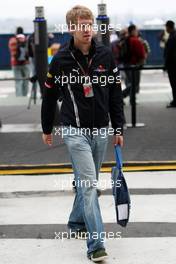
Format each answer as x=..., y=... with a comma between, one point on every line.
x=99, y=259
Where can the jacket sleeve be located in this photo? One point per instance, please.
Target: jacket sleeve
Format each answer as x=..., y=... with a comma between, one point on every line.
x=51, y=93
x=140, y=51
x=170, y=52
x=116, y=100
x=12, y=45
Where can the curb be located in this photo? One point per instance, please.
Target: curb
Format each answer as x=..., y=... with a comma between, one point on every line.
x=65, y=168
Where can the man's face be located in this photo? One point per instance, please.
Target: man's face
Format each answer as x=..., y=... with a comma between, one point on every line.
x=135, y=32
x=168, y=29
x=84, y=31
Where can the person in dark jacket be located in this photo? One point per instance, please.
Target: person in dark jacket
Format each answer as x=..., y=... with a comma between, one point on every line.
x=170, y=59
x=86, y=107
x=135, y=55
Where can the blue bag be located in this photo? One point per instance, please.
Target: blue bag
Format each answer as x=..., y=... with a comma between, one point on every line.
x=120, y=190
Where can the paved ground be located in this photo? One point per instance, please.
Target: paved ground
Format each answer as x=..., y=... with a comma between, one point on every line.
x=20, y=135
x=35, y=210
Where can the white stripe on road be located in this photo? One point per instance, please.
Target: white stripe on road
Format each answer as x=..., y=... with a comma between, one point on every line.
x=155, y=91
x=4, y=95
x=61, y=182
x=20, y=128
x=56, y=210
x=154, y=84
x=7, y=90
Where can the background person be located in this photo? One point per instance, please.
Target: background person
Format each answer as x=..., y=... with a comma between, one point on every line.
x=170, y=59
x=19, y=61
x=133, y=53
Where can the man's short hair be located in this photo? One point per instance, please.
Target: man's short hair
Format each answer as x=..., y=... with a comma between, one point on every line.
x=170, y=24
x=131, y=28
x=76, y=12
x=19, y=30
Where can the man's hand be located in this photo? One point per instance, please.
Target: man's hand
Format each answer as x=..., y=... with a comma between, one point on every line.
x=118, y=140
x=47, y=139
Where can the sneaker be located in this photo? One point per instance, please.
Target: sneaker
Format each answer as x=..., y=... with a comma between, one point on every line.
x=171, y=104
x=98, y=255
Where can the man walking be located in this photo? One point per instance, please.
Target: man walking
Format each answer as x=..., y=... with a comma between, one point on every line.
x=85, y=111
x=19, y=61
x=170, y=59
x=135, y=55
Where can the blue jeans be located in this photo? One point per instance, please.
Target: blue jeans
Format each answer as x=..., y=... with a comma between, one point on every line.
x=21, y=86
x=86, y=152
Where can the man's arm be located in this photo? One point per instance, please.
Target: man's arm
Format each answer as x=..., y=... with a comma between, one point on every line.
x=116, y=104
x=140, y=51
x=12, y=45
x=170, y=51
x=49, y=101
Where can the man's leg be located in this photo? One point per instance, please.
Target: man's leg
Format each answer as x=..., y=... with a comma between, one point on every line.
x=127, y=90
x=136, y=83
x=18, y=83
x=25, y=74
x=172, y=80
x=137, y=80
x=99, y=147
x=79, y=147
x=76, y=219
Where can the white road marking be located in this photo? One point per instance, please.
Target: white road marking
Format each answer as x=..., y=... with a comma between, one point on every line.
x=20, y=128
x=60, y=182
x=56, y=210
x=4, y=95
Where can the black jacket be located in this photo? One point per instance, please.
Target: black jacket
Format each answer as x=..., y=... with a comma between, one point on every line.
x=78, y=110
x=170, y=51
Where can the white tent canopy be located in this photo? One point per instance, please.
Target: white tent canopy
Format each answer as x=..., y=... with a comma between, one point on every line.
x=155, y=23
